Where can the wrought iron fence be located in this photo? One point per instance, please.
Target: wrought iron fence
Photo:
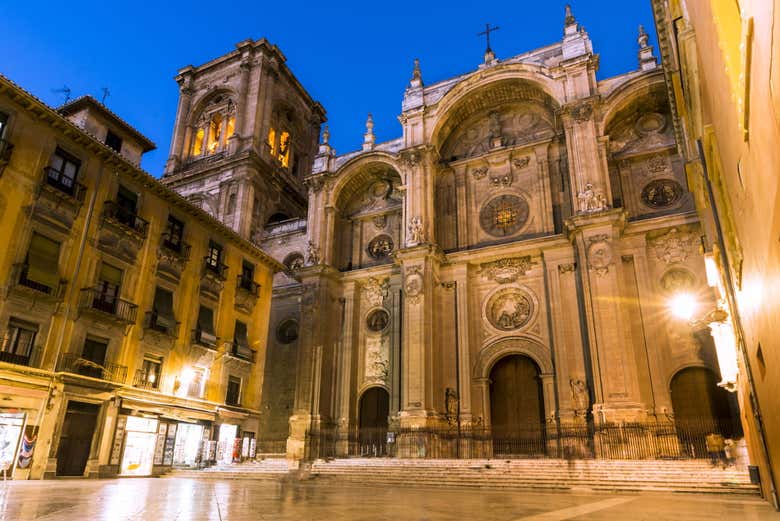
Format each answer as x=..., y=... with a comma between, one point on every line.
x=663, y=439
x=71, y=363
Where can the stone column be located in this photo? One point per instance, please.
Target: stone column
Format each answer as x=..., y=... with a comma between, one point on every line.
x=184, y=79
x=346, y=364
x=461, y=275
x=616, y=390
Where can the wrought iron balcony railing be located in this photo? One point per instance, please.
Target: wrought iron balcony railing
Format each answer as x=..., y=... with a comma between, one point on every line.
x=248, y=285
x=126, y=218
x=21, y=271
x=204, y=338
x=70, y=363
x=144, y=380
x=179, y=248
x=240, y=351
x=29, y=359
x=93, y=299
x=217, y=269
x=64, y=184
x=161, y=323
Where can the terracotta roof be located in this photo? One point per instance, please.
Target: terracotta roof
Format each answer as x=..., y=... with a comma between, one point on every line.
x=88, y=101
x=142, y=176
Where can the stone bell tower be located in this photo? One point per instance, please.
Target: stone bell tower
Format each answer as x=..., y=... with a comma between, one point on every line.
x=245, y=135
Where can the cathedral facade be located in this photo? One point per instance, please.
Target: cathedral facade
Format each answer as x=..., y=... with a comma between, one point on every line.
x=505, y=265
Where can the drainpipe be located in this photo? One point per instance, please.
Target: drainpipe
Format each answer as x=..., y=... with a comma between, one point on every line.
x=738, y=326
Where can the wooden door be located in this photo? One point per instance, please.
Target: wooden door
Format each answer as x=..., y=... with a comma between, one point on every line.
x=516, y=406
x=78, y=429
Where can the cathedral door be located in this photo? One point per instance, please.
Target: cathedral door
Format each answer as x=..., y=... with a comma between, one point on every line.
x=374, y=409
x=516, y=407
x=701, y=407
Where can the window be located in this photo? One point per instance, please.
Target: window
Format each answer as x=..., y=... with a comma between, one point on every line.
x=204, y=331
x=149, y=374
x=162, y=318
x=284, y=149
x=93, y=357
x=214, y=257
x=109, y=282
x=127, y=202
x=271, y=141
x=195, y=386
x=247, y=276
x=113, y=141
x=240, y=336
x=174, y=232
x=215, y=133
x=233, y=395
x=62, y=172
x=40, y=270
x=3, y=123
x=17, y=345
x=198, y=148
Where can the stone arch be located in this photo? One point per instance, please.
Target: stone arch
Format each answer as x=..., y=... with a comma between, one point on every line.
x=519, y=78
x=200, y=104
x=627, y=94
x=515, y=345
x=354, y=173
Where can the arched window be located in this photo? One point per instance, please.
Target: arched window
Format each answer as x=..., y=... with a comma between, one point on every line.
x=216, y=125
x=279, y=146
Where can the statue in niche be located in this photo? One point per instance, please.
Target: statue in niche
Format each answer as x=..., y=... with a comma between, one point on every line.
x=415, y=232
x=495, y=133
x=451, y=402
x=579, y=395
x=312, y=254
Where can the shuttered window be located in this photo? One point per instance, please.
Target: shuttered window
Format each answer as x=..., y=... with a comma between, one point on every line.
x=206, y=320
x=42, y=260
x=240, y=334
x=162, y=311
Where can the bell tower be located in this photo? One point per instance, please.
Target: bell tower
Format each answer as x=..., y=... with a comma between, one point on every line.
x=245, y=135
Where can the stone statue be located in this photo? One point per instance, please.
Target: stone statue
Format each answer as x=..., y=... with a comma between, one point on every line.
x=591, y=200
x=579, y=395
x=416, y=235
x=451, y=400
x=312, y=254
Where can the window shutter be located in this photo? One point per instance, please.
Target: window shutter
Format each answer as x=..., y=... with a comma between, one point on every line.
x=206, y=320
x=111, y=274
x=241, y=336
x=42, y=260
x=163, y=303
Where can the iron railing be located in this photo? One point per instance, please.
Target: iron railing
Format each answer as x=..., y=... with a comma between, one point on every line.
x=203, y=338
x=120, y=309
x=161, y=323
x=248, y=285
x=179, y=248
x=125, y=217
x=143, y=381
x=30, y=359
x=67, y=185
x=238, y=350
x=75, y=364
x=217, y=269
x=663, y=439
x=22, y=269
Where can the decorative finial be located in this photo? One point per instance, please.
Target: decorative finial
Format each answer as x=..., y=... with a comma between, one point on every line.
x=325, y=135
x=569, y=20
x=368, y=138
x=416, y=81
x=647, y=59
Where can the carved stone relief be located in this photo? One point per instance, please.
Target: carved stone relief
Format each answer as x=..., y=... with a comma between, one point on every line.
x=416, y=233
x=504, y=215
x=380, y=247
x=674, y=246
x=677, y=279
x=505, y=271
x=509, y=309
x=600, y=254
x=591, y=200
x=378, y=320
x=661, y=193
x=375, y=291
x=413, y=284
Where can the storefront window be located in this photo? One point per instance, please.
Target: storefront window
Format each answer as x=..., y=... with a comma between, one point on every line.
x=140, y=440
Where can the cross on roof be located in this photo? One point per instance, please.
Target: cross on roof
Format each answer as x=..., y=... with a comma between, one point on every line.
x=486, y=33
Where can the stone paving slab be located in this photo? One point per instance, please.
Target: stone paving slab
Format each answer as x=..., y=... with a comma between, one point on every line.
x=188, y=499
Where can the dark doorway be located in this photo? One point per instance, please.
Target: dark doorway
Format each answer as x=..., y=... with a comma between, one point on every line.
x=701, y=407
x=516, y=407
x=374, y=409
x=76, y=438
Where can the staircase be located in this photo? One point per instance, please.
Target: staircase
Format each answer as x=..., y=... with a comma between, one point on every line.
x=271, y=468
x=541, y=474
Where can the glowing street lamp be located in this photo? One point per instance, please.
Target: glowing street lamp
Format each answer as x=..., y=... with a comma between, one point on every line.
x=683, y=305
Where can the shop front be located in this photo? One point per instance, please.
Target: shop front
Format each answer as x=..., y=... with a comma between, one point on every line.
x=228, y=447
x=11, y=428
x=140, y=441
x=189, y=445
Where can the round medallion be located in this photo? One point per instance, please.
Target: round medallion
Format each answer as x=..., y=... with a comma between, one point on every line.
x=677, y=279
x=504, y=215
x=509, y=309
x=380, y=247
x=287, y=331
x=650, y=123
x=377, y=320
x=661, y=193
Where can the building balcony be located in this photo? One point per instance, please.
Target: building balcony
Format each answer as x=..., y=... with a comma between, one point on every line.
x=31, y=359
x=25, y=288
x=239, y=352
x=172, y=259
x=143, y=380
x=58, y=200
x=70, y=363
x=162, y=324
x=204, y=339
x=212, y=279
x=122, y=233
x=129, y=221
x=6, y=149
x=247, y=293
x=110, y=309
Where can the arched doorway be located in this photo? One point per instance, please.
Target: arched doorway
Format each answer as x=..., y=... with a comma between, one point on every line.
x=516, y=407
x=374, y=409
x=701, y=407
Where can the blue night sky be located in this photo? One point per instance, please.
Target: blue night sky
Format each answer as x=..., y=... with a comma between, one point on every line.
x=353, y=57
